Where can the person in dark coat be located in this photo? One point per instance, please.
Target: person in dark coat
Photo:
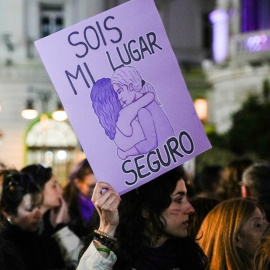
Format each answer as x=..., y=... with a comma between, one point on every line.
x=146, y=228
x=21, y=247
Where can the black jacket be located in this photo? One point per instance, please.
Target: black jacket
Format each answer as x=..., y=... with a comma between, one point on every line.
x=22, y=250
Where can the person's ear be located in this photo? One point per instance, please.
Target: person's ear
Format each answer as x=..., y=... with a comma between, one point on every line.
x=239, y=241
x=244, y=191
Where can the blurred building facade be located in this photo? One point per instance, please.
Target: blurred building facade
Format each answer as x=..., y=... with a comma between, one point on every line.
x=241, y=54
x=23, y=77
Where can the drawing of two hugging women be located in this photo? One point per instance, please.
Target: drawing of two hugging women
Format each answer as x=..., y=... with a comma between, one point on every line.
x=129, y=111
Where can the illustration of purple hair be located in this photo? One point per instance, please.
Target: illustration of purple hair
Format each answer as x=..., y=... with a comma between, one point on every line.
x=106, y=105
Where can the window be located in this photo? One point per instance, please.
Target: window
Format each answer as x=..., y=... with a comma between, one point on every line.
x=255, y=15
x=51, y=19
x=54, y=144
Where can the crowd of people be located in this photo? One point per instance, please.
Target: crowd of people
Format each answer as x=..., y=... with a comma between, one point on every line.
x=218, y=221
x=41, y=222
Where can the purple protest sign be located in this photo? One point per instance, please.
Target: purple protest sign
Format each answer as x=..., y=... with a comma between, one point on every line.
x=121, y=86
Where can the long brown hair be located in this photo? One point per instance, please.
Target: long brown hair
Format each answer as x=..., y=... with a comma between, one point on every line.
x=218, y=233
x=262, y=255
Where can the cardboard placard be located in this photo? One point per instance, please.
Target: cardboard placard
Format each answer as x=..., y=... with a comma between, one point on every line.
x=121, y=86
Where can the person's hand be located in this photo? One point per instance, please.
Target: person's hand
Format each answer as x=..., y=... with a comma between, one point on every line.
x=106, y=201
x=60, y=214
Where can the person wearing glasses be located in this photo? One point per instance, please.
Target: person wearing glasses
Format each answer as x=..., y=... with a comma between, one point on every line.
x=55, y=219
x=21, y=247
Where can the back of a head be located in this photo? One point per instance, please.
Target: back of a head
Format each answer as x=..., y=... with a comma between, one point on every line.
x=39, y=173
x=233, y=177
x=209, y=176
x=80, y=170
x=257, y=179
x=217, y=234
x=236, y=168
x=202, y=207
x=14, y=186
x=239, y=165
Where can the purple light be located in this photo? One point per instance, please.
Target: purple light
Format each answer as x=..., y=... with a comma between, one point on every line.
x=219, y=19
x=257, y=43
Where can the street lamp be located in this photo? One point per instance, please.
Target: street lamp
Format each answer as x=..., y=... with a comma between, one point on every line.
x=59, y=114
x=30, y=112
x=201, y=108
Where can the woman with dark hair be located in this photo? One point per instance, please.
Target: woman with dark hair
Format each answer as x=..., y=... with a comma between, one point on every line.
x=21, y=247
x=145, y=228
x=55, y=219
x=77, y=194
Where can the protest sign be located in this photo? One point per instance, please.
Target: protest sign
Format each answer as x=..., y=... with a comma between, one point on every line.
x=120, y=84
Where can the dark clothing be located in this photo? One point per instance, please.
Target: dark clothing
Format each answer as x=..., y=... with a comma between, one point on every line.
x=68, y=243
x=22, y=250
x=86, y=206
x=163, y=257
x=46, y=228
x=80, y=212
x=174, y=254
x=80, y=209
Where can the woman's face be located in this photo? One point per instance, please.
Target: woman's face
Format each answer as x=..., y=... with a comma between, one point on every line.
x=125, y=95
x=52, y=193
x=251, y=232
x=28, y=213
x=177, y=214
x=87, y=185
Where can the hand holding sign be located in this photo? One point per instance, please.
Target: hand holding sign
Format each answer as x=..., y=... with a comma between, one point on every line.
x=106, y=201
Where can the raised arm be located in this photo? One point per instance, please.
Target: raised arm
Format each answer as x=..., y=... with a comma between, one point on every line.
x=98, y=255
x=106, y=201
x=130, y=112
